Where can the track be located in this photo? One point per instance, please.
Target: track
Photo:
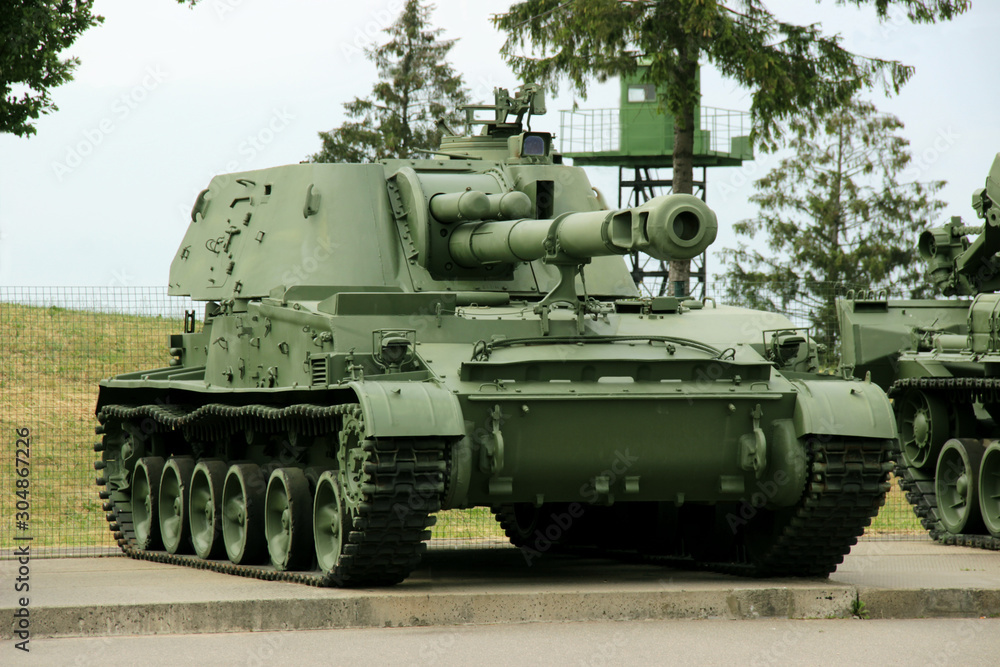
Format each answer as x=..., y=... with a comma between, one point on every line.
x=399, y=484
x=847, y=483
x=918, y=485
x=846, y=486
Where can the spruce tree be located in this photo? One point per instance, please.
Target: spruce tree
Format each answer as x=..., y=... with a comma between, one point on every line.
x=842, y=211
x=416, y=87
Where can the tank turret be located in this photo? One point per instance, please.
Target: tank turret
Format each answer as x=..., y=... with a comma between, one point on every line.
x=526, y=224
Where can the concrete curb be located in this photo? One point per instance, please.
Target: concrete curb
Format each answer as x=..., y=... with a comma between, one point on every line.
x=378, y=611
x=930, y=602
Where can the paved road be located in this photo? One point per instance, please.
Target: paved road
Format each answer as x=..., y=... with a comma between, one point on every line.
x=965, y=642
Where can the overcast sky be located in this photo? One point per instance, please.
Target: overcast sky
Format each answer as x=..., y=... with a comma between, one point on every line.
x=165, y=97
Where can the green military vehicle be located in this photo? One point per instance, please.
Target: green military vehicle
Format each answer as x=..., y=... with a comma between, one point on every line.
x=384, y=341
x=940, y=361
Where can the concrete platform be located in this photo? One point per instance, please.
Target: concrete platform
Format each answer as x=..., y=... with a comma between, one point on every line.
x=120, y=596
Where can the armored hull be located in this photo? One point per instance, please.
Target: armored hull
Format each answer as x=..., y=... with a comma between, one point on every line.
x=939, y=361
x=381, y=342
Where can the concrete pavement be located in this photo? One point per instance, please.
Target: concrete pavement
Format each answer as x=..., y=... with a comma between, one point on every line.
x=120, y=596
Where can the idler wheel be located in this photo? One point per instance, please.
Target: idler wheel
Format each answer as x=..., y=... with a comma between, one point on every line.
x=989, y=488
x=523, y=520
x=243, y=514
x=205, y=509
x=328, y=521
x=175, y=487
x=287, y=519
x=145, y=501
x=956, y=484
x=538, y=527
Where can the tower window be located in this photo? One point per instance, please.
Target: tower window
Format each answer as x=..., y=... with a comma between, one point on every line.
x=641, y=92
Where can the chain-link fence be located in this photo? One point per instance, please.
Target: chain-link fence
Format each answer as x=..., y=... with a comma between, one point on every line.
x=57, y=343
x=809, y=304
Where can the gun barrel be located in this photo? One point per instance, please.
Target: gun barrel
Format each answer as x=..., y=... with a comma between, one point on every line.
x=667, y=227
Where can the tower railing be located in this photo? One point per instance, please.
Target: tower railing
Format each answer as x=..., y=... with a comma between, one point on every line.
x=600, y=130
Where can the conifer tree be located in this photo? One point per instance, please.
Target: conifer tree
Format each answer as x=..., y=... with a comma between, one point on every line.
x=842, y=211
x=416, y=87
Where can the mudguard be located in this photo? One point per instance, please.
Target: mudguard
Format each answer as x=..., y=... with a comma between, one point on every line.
x=408, y=409
x=855, y=409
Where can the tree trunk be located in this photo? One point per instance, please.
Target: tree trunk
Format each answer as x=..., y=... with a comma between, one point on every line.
x=683, y=171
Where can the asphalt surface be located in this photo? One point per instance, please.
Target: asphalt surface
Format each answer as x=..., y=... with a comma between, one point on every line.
x=965, y=642
x=121, y=597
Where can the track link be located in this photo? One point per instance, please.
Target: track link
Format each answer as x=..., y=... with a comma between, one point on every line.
x=847, y=485
x=386, y=536
x=918, y=485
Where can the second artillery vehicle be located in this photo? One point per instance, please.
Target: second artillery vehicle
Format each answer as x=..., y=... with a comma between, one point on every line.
x=940, y=361
x=383, y=341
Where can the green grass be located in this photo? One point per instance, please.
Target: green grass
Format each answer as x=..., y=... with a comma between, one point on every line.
x=465, y=526
x=896, y=517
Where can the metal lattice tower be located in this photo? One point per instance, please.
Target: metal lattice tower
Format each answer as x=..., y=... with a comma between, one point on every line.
x=638, y=138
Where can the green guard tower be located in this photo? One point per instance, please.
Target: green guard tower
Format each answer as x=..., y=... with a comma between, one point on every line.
x=638, y=138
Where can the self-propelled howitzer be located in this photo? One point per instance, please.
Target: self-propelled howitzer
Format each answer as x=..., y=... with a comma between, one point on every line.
x=940, y=359
x=384, y=341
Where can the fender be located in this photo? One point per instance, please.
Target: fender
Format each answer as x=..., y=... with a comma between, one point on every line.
x=857, y=409
x=408, y=409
